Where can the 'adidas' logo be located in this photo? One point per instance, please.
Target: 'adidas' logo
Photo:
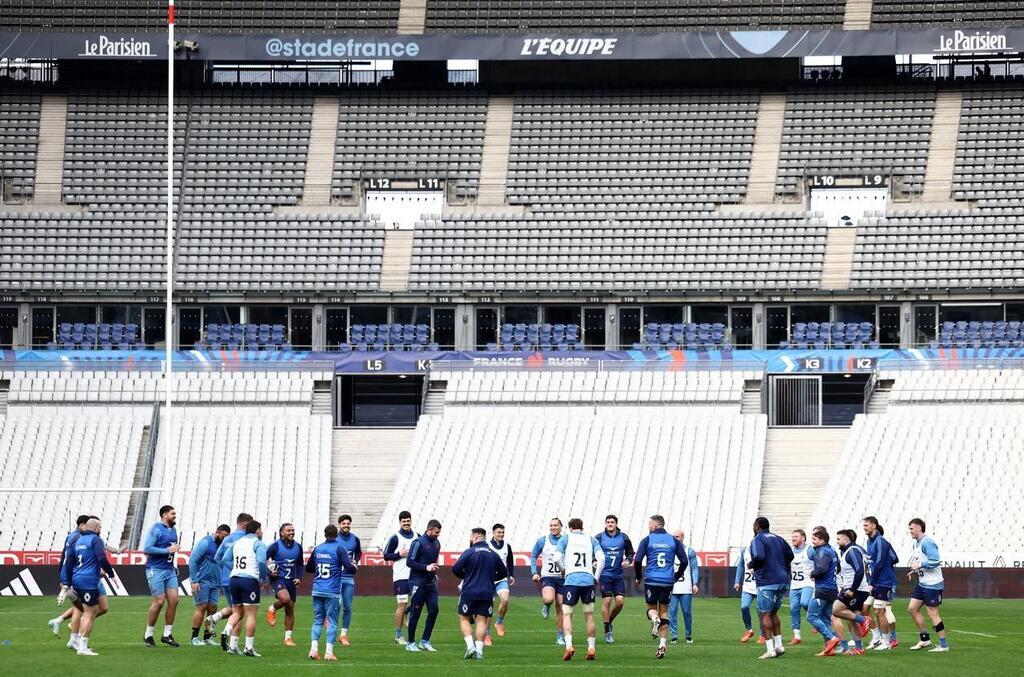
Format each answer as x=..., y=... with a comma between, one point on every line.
x=22, y=586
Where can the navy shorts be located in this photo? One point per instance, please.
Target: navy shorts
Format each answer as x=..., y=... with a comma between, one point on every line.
x=229, y=599
x=400, y=588
x=578, y=593
x=89, y=597
x=611, y=587
x=883, y=593
x=245, y=591
x=856, y=603
x=556, y=582
x=929, y=596
x=826, y=595
x=285, y=584
x=658, y=594
x=475, y=607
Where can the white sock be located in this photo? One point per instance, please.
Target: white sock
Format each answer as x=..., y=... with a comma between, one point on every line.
x=83, y=643
x=55, y=620
x=661, y=642
x=329, y=650
x=215, y=618
x=149, y=630
x=271, y=610
x=248, y=643
x=591, y=642
x=167, y=630
x=287, y=634
x=568, y=640
x=479, y=648
x=651, y=615
x=469, y=642
x=314, y=646
x=233, y=642
x=344, y=631
x=778, y=641
x=876, y=634
x=796, y=634
x=74, y=638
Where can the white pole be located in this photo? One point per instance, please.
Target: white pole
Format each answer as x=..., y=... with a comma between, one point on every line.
x=169, y=324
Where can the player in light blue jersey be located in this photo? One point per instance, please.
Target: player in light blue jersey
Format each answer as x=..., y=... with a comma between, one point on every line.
x=327, y=562
x=618, y=551
x=249, y=571
x=348, y=580
x=87, y=562
x=503, y=588
x=241, y=522
x=927, y=566
x=660, y=552
x=550, y=575
x=160, y=546
x=204, y=575
x=801, y=586
x=682, y=593
x=286, y=554
x=582, y=560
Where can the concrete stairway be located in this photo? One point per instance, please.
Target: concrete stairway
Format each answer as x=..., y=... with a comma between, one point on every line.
x=321, y=404
x=396, y=261
x=140, y=480
x=53, y=115
x=316, y=188
x=764, y=161
x=412, y=17
x=798, y=463
x=497, y=140
x=879, y=402
x=938, y=178
x=365, y=464
x=434, y=402
x=835, y=271
x=751, y=402
x=858, y=15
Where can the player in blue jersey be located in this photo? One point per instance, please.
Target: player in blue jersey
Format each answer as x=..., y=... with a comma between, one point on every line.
x=286, y=554
x=423, y=569
x=65, y=578
x=249, y=571
x=854, y=589
x=204, y=575
x=582, y=561
x=161, y=573
x=503, y=588
x=882, y=575
x=480, y=568
x=801, y=587
x=550, y=575
x=618, y=551
x=927, y=566
x=396, y=550
x=824, y=566
x=660, y=552
x=327, y=562
x=227, y=612
x=682, y=593
x=88, y=560
x=770, y=557
x=348, y=582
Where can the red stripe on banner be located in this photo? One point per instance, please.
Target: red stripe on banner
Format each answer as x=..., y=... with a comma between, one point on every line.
x=170, y=14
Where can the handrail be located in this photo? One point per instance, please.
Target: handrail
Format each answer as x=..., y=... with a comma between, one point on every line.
x=135, y=535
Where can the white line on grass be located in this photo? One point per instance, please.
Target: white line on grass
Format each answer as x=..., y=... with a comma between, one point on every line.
x=977, y=634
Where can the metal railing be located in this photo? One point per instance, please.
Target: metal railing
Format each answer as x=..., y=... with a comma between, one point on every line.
x=139, y=518
x=583, y=363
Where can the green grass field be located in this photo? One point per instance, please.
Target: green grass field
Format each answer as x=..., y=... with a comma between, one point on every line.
x=981, y=634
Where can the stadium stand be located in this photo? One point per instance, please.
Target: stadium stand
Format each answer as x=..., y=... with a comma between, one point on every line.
x=34, y=445
x=966, y=13
x=855, y=131
x=19, y=139
x=955, y=385
x=244, y=447
x=949, y=457
x=990, y=146
x=246, y=156
x=114, y=173
x=410, y=135
x=824, y=335
x=553, y=387
x=209, y=16
x=566, y=454
x=495, y=16
x=389, y=337
x=192, y=387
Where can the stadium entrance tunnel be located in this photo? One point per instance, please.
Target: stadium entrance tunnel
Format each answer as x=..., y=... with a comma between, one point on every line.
x=378, y=400
x=808, y=400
